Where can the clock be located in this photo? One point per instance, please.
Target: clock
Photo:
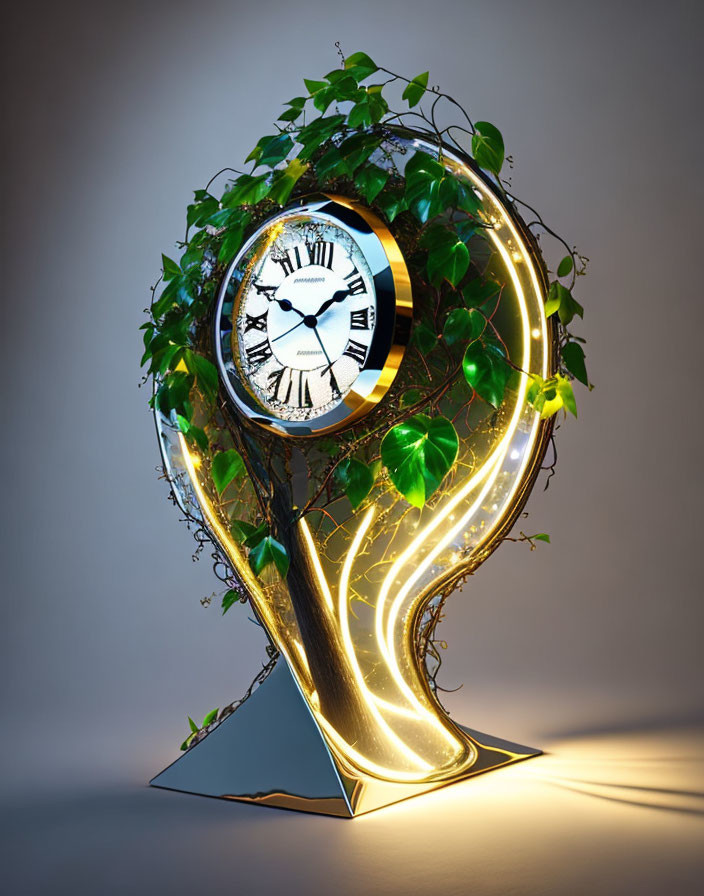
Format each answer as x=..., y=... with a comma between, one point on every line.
x=313, y=317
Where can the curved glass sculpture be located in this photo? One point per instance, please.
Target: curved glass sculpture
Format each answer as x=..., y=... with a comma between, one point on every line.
x=348, y=620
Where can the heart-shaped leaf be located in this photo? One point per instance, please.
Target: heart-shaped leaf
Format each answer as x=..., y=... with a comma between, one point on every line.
x=370, y=181
x=488, y=146
x=225, y=467
x=415, y=90
x=573, y=358
x=463, y=325
x=418, y=454
x=357, y=479
x=360, y=66
x=486, y=370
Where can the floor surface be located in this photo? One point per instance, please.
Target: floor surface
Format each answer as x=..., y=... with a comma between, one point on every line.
x=603, y=814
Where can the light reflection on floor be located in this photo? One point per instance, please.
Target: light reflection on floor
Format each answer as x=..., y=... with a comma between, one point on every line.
x=600, y=815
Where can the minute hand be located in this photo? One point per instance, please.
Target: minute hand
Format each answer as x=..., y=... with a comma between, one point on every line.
x=339, y=296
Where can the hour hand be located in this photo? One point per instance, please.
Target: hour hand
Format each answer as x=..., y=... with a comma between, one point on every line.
x=269, y=291
x=339, y=296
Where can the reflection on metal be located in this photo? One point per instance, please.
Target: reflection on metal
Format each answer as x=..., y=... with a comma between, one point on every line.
x=348, y=722
x=271, y=752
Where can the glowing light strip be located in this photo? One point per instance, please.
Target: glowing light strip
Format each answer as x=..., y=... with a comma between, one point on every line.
x=412, y=756
x=317, y=565
x=490, y=471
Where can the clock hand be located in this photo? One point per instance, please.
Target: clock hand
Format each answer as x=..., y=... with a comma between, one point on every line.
x=339, y=296
x=294, y=327
x=320, y=341
x=269, y=291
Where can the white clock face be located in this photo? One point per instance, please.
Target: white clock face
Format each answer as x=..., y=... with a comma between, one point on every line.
x=305, y=318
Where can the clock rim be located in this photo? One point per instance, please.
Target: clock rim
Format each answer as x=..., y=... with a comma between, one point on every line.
x=392, y=286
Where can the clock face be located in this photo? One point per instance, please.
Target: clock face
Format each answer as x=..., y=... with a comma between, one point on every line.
x=312, y=318
x=306, y=318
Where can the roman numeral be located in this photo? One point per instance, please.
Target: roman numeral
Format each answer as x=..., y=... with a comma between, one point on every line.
x=356, y=351
x=290, y=387
x=267, y=291
x=304, y=399
x=334, y=388
x=321, y=253
x=290, y=261
x=355, y=285
x=359, y=320
x=274, y=381
x=258, y=354
x=256, y=322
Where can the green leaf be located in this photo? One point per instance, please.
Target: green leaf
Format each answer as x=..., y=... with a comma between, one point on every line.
x=423, y=177
x=360, y=115
x=198, y=213
x=290, y=114
x=560, y=299
x=171, y=269
x=415, y=90
x=229, y=598
x=225, y=467
x=230, y=244
x=174, y=394
x=328, y=446
x=284, y=181
x=463, y=325
x=488, y=146
x=205, y=372
x=486, y=370
x=271, y=150
x=357, y=479
x=391, y=203
x=449, y=262
x=541, y=536
x=317, y=132
x=193, y=433
x=356, y=149
x=418, y=454
x=194, y=728
x=248, y=189
x=360, y=66
x=548, y=396
x=424, y=338
x=185, y=745
x=210, y=717
x=370, y=181
x=479, y=291
x=564, y=390
x=467, y=199
x=378, y=107
x=565, y=266
x=573, y=359
x=247, y=534
x=331, y=164
x=225, y=217
x=343, y=88
x=269, y=551
x=410, y=397
x=314, y=86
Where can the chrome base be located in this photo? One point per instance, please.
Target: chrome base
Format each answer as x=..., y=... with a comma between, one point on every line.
x=271, y=752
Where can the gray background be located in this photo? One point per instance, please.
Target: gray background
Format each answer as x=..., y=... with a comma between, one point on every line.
x=115, y=113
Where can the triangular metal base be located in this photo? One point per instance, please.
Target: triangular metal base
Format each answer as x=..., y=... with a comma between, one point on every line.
x=270, y=751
